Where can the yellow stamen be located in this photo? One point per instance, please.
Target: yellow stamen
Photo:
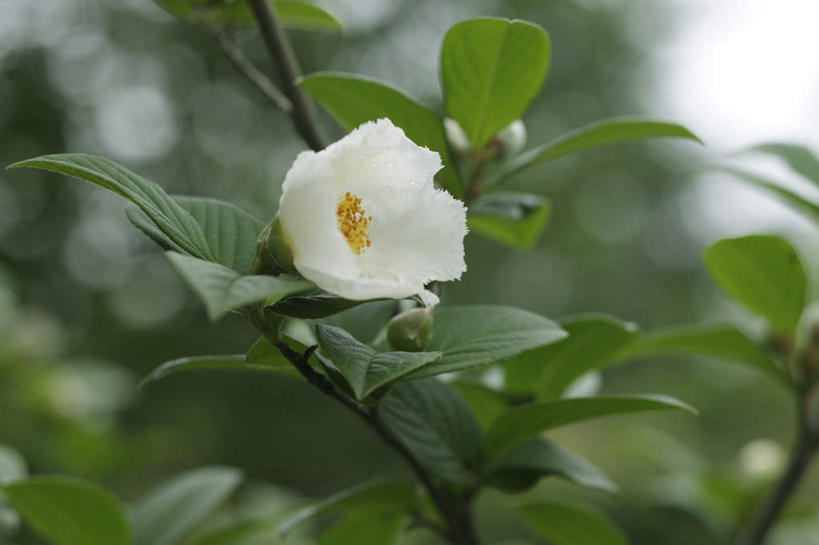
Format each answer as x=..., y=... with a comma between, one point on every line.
x=353, y=223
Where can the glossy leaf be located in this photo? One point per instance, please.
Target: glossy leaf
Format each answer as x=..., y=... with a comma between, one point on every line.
x=571, y=524
x=491, y=70
x=799, y=203
x=379, y=527
x=520, y=467
x=514, y=219
x=594, y=341
x=764, y=274
x=520, y=423
x=801, y=159
x=214, y=363
x=68, y=511
x=12, y=466
x=475, y=335
x=222, y=289
x=246, y=531
x=230, y=232
x=365, y=369
x=720, y=341
x=486, y=404
x=366, y=321
x=600, y=133
x=436, y=425
x=305, y=16
x=318, y=304
x=354, y=100
x=170, y=218
x=397, y=495
x=176, y=508
x=237, y=13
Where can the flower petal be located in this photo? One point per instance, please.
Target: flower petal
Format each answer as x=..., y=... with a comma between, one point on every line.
x=416, y=231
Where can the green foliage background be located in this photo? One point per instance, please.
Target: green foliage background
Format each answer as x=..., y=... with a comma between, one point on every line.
x=87, y=304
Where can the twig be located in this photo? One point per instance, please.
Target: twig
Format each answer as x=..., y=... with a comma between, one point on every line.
x=246, y=68
x=458, y=514
x=303, y=114
x=771, y=507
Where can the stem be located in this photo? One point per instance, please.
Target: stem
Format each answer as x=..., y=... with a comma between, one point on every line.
x=303, y=114
x=246, y=68
x=458, y=513
x=771, y=507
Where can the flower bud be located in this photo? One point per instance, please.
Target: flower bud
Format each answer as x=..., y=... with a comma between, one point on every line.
x=512, y=138
x=409, y=331
x=456, y=136
x=273, y=256
x=762, y=458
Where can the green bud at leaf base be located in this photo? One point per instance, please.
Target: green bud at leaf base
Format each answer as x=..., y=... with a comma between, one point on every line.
x=273, y=256
x=409, y=331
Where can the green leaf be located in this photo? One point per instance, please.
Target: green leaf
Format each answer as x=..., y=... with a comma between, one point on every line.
x=354, y=100
x=514, y=219
x=719, y=341
x=69, y=511
x=397, y=495
x=380, y=528
x=800, y=158
x=486, y=404
x=12, y=466
x=169, y=217
x=237, y=14
x=799, y=203
x=365, y=321
x=365, y=369
x=520, y=467
x=571, y=524
x=476, y=335
x=246, y=531
x=264, y=354
x=491, y=70
x=318, y=304
x=230, y=232
x=522, y=422
x=228, y=13
x=764, y=274
x=594, y=135
x=436, y=425
x=594, y=341
x=299, y=15
x=171, y=512
x=222, y=289
x=215, y=363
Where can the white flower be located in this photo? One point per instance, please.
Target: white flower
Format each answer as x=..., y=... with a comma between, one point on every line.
x=364, y=221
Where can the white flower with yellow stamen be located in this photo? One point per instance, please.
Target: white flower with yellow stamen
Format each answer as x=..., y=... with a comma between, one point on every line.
x=363, y=219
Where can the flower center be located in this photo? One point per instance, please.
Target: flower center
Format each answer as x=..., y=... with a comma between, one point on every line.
x=353, y=222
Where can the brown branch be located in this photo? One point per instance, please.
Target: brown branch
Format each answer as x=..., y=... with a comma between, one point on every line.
x=766, y=515
x=304, y=116
x=458, y=513
x=246, y=68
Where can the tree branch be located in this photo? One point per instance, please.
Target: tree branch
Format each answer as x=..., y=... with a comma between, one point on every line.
x=458, y=515
x=246, y=68
x=771, y=507
x=304, y=116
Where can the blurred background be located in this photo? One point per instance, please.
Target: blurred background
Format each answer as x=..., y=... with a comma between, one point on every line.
x=88, y=305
